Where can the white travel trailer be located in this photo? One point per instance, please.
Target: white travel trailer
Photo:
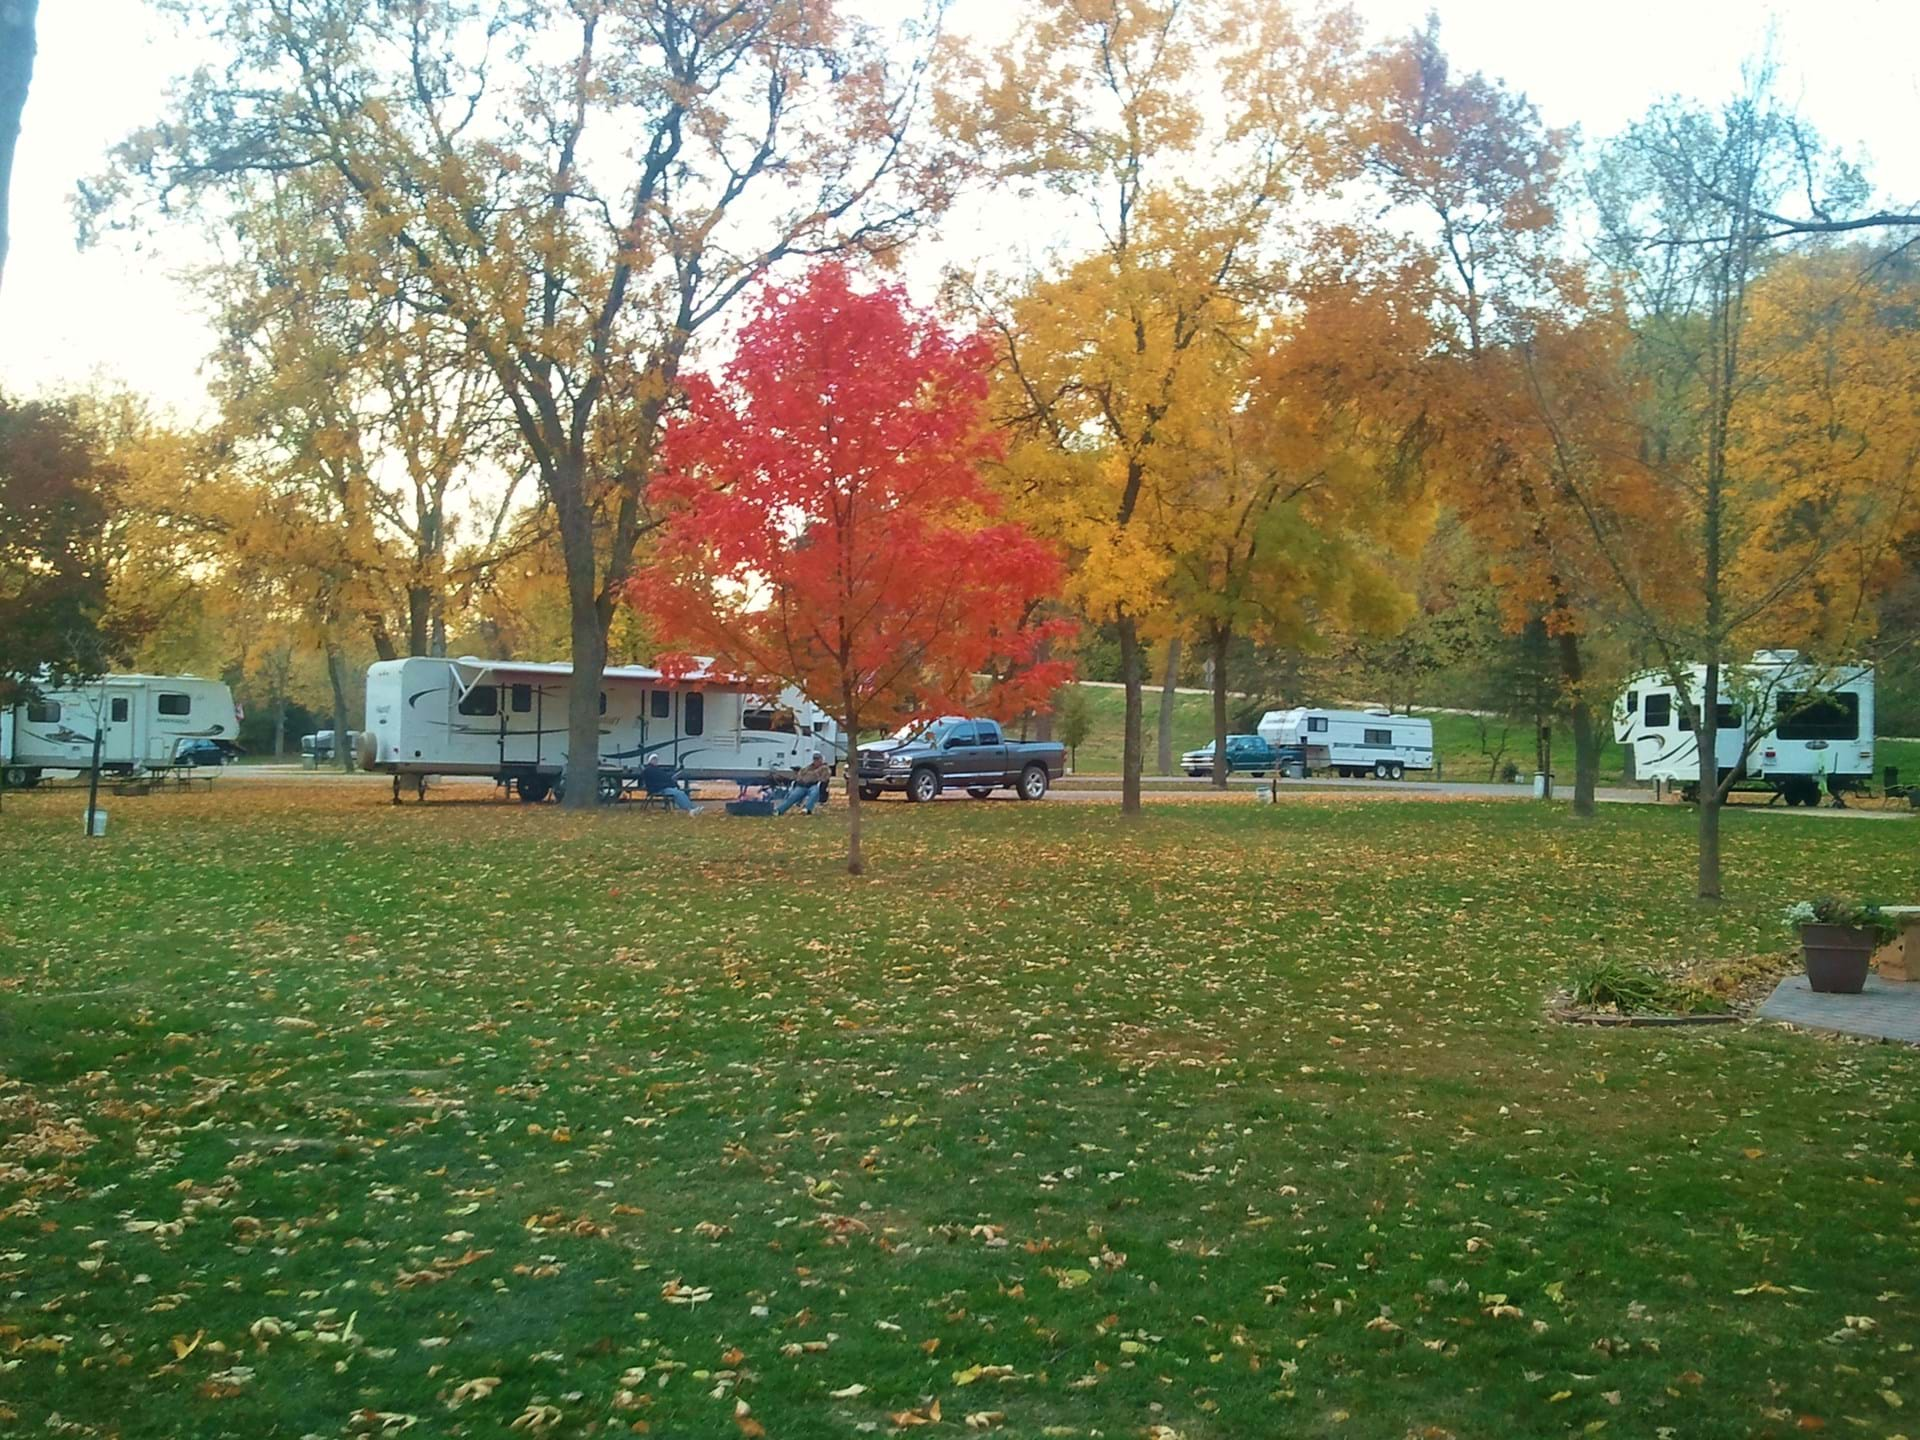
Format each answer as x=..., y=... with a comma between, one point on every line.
x=1351, y=742
x=508, y=719
x=1815, y=726
x=143, y=721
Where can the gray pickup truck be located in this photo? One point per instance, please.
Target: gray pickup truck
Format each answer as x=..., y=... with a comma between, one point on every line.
x=954, y=753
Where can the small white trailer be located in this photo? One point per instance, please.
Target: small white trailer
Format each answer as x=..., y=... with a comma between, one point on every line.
x=143, y=720
x=1350, y=743
x=1783, y=722
x=508, y=719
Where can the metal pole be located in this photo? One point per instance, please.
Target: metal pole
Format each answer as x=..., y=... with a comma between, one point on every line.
x=93, y=776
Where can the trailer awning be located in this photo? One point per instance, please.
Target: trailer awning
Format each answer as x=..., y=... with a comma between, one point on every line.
x=469, y=671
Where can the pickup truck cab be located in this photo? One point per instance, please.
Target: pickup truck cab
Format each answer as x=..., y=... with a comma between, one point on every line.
x=953, y=752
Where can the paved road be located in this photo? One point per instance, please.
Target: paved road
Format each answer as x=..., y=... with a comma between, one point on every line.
x=1105, y=790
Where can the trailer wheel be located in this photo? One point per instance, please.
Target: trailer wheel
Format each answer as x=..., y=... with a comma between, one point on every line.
x=1399, y=771
x=924, y=786
x=869, y=792
x=21, y=778
x=1033, y=782
x=1382, y=770
x=534, y=788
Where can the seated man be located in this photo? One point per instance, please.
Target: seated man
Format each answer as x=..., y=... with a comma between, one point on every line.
x=664, y=781
x=808, y=787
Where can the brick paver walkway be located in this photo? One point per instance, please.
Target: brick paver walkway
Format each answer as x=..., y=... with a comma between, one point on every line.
x=1885, y=1010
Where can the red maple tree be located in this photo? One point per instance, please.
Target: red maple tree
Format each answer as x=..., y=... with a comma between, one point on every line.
x=825, y=524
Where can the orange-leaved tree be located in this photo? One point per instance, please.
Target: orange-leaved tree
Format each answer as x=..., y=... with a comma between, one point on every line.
x=826, y=526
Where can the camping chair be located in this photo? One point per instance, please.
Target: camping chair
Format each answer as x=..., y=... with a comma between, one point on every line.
x=655, y=782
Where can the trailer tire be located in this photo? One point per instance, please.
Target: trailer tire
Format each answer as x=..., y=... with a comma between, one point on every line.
x=869, y=792
x=1033, y=783
x=21, y=778
x=534, y=788
x=923, y=785
x=1382, y=770
x=1399, y=771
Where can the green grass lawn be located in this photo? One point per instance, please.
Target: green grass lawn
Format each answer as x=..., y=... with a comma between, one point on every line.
x=318, y=1117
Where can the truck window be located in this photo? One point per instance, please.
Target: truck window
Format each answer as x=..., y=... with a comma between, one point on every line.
x=480, y=700
x=1806, y=716
x=694, y=710
x=1379, y=737
x=117, y=710
x=1659, y=711
x=986, y=733
x=172, y=702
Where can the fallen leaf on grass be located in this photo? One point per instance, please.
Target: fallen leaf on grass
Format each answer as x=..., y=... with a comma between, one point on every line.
x=478, y=1388
x=906, y=1418
x=986, y=1419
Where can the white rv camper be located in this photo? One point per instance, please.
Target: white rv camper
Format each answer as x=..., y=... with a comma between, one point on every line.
x=143, y=720
x=1815, y=726
x=508, y=719
x=1352, y=742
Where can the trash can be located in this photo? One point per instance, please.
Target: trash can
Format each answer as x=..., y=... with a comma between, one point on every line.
x=1543, y=784
x=98, y=827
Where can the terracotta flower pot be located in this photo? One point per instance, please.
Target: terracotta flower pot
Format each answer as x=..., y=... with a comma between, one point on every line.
x=1837, y=957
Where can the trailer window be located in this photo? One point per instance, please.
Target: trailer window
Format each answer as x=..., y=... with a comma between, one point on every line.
x=780, y=721
x=662, y=705
x=1379, y=737
x=481, y=700
x=522, y=699
x=694, y=709
x=1316, y=723
x=1659, y=711
x=44, y=712
x=1818, y=717
x=172, y=702
x=117, y=710
x=1726, y=716
x=603, y=702
x=1633, y=701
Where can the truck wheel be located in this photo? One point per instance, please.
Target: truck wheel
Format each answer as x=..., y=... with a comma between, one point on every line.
x=1033, y=782
x=869, y=792
x=1382, y=770
x=979, y=792
x=924, y=786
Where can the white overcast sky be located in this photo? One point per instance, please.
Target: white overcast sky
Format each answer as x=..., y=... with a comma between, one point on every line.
x=67, y=317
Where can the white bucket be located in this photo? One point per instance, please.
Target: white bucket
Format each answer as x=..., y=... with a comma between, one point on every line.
x=99, y=826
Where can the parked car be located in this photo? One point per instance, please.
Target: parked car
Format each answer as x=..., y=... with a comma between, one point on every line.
x=927, y=756
x=204, y=752
x=319, y=745
x=1248, y=754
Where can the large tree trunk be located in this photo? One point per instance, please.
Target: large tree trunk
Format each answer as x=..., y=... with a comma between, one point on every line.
x=1707, y=729
x=16, y=73
x=589, y=640
x=1167, y=684
x=1217, y=668
x=1586, y=740
x=849, y=720
x=337, y=678
x=419, y=619
x=279, y=724
x=1132, y=745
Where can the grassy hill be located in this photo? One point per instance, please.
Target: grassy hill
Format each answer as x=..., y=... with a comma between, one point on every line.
x=1464, y=746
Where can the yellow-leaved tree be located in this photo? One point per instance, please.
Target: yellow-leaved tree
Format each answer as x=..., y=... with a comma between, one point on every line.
x=1183, y=134
x=576, y=189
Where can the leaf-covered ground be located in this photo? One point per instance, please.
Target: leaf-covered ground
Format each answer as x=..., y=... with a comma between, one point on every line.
x=323, y=1118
